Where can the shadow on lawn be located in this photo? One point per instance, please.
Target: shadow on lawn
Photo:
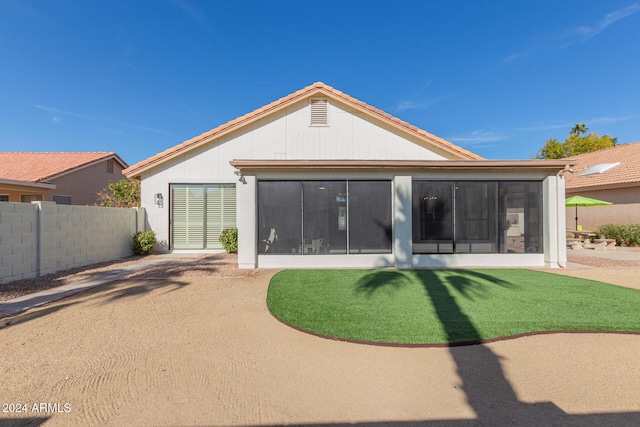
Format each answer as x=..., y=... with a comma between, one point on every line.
x=483, y=381
x=382, y=280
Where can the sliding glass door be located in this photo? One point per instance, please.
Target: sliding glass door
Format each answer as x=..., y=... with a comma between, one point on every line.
x=199, y=213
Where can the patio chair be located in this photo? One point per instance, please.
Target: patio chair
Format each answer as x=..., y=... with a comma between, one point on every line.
x=269, y=241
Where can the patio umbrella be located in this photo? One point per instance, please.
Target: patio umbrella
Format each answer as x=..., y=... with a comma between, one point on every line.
x=583, y=201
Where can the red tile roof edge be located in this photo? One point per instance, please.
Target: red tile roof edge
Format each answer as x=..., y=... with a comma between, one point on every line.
x=107, y=154
x=100, y=156
x=628, y=172
x=310, y=90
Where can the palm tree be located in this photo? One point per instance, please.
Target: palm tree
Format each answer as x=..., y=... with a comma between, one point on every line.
x=579, y=129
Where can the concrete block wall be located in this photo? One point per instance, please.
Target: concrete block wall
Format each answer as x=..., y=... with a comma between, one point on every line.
x=18, y=241
x=43, y=237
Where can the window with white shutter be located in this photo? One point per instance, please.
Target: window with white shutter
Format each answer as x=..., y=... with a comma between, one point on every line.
x=199, y=213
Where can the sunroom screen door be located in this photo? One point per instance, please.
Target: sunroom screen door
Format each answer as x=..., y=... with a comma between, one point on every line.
x=199, y=213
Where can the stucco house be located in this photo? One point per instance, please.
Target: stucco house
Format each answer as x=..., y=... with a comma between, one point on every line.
x=615, y=179
x=321, y=179
x=65, y=178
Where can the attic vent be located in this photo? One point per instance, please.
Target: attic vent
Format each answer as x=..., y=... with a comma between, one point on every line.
x=319, y=112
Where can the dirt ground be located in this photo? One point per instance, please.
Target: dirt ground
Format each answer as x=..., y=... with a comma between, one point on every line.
x=205, y=351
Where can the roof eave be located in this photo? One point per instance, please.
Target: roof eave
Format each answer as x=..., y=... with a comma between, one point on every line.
x=309, y=91
x=78, y=167
x=28, y=183
x=603, y=186
x=474, y=165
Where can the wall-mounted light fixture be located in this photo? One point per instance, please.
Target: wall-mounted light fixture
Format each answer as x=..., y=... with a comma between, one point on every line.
x=238, y=172
x=159, y=200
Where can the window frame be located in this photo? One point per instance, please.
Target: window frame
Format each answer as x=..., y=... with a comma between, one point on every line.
x=497, y=239
x=192, y=230
x=40, y=196
x=53, y=196
x=324, y=240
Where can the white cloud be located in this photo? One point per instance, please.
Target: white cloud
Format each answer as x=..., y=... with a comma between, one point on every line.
x=64, y=113
x=193, y=10
x=56, y=119
x=413, y=104
x=582, y=34
x=568, y=124
x=478, y=137
x=420, y=104
x=542, y=127
x=607, y=120
x=416, y=100
x=515, y=56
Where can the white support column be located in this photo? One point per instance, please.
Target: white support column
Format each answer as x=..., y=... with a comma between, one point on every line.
x=561, y=237
x=246, y=211
x=553, y=220
x=402, y=228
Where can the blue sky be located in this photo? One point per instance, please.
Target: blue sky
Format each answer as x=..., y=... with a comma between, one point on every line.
x=137, y=77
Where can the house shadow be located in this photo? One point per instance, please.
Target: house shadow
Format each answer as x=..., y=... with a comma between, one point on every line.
x=23, y=422
x=106, y=287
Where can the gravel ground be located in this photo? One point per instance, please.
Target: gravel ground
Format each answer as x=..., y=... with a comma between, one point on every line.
x=188, y=350
x=205, y=266
x=201, y=351
x=592, y=261
x=215, y=265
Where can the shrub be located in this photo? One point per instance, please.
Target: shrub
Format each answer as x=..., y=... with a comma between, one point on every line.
x=144, y=242
x=625, y=234
x=229, y=240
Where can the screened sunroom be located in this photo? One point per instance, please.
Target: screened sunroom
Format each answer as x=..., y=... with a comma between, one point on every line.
x=400, y=213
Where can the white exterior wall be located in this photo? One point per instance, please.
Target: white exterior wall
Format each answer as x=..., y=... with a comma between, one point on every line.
x=287, y=135
x=350, y=135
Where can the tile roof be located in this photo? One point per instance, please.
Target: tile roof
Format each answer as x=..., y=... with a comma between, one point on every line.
x=315, y=89
x=39, y=167
x=627, y=172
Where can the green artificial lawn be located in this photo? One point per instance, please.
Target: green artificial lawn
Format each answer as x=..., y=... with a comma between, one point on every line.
x=447, y=306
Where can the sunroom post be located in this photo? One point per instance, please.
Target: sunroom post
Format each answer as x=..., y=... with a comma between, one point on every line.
x=402, y=244
x=246, y=211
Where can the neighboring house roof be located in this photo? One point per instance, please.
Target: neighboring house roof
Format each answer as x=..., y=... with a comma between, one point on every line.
x=41, y=167
x=627, y=173
x=316, y=89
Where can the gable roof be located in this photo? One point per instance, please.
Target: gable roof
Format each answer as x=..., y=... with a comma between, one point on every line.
x=626, y=173
x=313, y=90
x=40, y=167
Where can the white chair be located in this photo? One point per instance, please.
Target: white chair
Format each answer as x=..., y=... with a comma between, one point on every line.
x=268, y=242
